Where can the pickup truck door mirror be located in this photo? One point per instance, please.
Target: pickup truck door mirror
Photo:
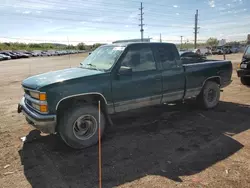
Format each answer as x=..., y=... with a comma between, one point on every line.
x=126, y=71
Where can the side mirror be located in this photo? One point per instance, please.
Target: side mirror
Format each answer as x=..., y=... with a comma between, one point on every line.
x=127, y=71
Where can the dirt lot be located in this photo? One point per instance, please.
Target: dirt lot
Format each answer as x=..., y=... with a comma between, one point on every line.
x=165, y=146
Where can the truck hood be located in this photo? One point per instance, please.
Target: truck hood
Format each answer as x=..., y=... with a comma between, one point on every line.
x=38, y=81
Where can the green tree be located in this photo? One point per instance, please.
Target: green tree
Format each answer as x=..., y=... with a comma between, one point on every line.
x=81, y=46
x=212, y=41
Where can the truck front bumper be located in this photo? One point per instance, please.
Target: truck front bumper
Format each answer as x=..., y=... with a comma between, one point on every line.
x=243, y=72
x=43, y=122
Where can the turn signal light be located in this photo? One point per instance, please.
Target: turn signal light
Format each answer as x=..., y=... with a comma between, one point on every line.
x=42, y=97
x=43, y=108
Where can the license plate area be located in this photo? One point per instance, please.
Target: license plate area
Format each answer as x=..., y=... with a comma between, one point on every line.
x=243, y=66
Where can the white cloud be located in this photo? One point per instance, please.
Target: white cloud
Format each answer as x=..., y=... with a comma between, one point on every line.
x=38, y=12
x=229, y=4
x=177, y=14
x=98, y=19
x=26, y=12
x=175, y=6
x=211, y=3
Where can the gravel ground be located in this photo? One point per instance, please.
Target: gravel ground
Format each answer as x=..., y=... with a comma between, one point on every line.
x=161, y=146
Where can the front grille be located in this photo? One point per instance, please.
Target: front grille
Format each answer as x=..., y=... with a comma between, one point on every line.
x=28, y=102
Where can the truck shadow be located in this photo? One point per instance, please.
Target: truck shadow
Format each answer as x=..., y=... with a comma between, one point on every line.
x=169, y=141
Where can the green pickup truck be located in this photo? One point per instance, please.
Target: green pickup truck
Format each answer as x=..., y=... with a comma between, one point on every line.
x=119, y=77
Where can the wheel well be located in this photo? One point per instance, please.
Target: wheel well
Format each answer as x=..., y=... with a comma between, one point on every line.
x=78, y=100
x=213, y=79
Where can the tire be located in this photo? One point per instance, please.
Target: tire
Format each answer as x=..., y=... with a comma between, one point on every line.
x=210, y=95
x=70, y=127
x=245, y=81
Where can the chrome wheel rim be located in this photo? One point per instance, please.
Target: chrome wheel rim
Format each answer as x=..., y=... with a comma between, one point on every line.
x=85, y=127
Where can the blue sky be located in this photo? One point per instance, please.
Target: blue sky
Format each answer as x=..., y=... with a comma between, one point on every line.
x=93, y=21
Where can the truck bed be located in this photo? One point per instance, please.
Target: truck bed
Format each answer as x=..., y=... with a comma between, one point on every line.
x=197, y=73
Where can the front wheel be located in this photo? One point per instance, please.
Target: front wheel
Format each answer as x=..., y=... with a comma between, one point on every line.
x=78, y=127
x=210, y=95
x=245, y=80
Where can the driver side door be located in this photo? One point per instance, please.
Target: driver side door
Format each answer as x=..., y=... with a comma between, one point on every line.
x=143, y=85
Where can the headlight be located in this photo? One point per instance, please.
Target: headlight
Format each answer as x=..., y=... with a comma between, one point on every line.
x=38, y=95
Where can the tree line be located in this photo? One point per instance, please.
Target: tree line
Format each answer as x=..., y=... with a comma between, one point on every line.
x=45, y=46
x=82, y=46
x=209, y=43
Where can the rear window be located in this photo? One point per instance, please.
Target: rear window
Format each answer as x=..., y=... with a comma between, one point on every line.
x=167, y=56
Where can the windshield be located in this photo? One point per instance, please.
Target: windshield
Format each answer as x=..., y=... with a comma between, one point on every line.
x=247, y=52
x=102, y=58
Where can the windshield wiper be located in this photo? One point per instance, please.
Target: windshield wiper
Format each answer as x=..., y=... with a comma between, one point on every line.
x=92, y=66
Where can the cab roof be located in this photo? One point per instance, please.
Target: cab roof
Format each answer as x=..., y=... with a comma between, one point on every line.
x=125, y=44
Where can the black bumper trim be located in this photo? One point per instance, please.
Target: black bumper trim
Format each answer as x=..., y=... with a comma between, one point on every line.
x=45, y=123
x=243, y=72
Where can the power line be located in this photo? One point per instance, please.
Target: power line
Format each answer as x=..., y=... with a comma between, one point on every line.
x=100, y=22
x=94, y=2
x=96, y=12
x=108, y=4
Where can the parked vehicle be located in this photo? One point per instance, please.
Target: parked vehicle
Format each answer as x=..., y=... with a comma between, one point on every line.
x=119, y=77
x=202, y=51
x=23, y=55
x=191, y=57
x=1, y=58
x=5, y=57
x=34, y=54
x=13, y=56
x=227, y=49
x=235, y=49
x=244, y=69
x=217, y=50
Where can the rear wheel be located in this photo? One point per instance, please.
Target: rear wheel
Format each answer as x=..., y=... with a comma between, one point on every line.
x=210, y=95
x=245, y=80
x=79, y=126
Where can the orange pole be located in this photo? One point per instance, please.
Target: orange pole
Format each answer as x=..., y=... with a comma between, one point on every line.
x=99, y=147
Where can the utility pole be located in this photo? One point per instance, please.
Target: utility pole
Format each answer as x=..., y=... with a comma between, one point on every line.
x=141, y=19
x=160, y=38
x=196, y=29
x=181, y=42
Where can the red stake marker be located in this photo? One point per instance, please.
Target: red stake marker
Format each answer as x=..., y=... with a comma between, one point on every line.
x=99, y=146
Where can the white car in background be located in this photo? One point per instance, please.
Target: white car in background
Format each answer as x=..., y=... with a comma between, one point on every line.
x=202, y=51
x=5, y=57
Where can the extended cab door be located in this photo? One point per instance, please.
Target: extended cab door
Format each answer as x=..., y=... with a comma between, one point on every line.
x=173, y=76
x=142, y=85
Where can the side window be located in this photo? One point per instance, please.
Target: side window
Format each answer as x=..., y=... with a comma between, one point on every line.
x=139, y=59
x=167, y=57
